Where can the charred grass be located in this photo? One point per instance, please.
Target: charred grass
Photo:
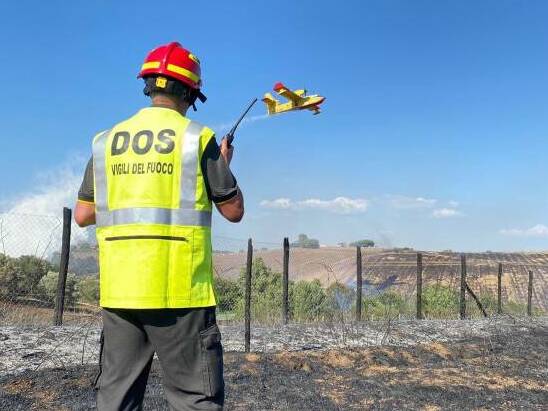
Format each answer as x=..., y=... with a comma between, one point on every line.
x=506, y=371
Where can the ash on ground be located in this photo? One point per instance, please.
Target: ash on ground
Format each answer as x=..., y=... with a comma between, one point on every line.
x=495, y=363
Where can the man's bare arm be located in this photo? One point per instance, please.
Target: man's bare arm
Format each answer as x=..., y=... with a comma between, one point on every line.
x=84, y=213
x=233, y=209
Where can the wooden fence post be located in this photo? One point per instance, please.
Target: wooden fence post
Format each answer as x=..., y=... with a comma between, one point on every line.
x=285, y=302
x=499, y=290
x=247, y=310
x=462, y=286
x=419, y=286
x=478, y=302
x=63, y=268
x=359, y=283
x=530, y=294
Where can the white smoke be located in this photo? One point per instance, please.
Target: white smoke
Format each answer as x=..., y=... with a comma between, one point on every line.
x=31, y=222
x=223, y=127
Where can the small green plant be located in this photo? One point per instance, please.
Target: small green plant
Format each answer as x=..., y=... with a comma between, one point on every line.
x=228, y=293
x=308, y=301
x=266, y=293
x=388, y=304
x=440, y=301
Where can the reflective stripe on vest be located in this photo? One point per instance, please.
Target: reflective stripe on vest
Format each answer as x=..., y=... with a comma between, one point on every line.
x=185, y=215
x=150, y=215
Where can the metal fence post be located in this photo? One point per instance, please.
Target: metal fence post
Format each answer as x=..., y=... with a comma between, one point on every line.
x=499, y=290
x=462, y=286
x=530, y=294
x=247, y=312
x=359, y=283
x=63, y=268
x=285, y=302
x=419, y=286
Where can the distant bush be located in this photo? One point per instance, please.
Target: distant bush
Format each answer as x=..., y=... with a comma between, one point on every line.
x=88, y=289
x=304, y=242
x=47, y=288
x=83, y=259
x=363, y=243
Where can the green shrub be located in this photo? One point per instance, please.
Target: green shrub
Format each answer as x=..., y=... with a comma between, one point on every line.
x=21, y=275
x=440, y=301
x=227, y=293
x=266, y=292
x=47, y=288
x=305, y=242
x=515, y=308
x=389, y=304
x=88, y=290
x=308, y=301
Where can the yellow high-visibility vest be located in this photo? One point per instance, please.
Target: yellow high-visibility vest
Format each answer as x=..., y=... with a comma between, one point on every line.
x=153, y=213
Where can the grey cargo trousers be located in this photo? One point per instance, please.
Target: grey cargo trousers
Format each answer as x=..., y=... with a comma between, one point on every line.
x=188, y=344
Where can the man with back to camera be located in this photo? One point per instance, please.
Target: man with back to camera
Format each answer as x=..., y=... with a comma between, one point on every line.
x=149, y=189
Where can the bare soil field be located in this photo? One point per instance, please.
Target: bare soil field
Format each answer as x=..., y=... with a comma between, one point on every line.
x=385, y=268
x=476, y=364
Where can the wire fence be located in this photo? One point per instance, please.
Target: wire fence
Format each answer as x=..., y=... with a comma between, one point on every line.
x=319, y=308
x=322, y=281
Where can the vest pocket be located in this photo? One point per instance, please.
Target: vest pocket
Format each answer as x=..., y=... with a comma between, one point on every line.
x=146, y=237
x=146, y=267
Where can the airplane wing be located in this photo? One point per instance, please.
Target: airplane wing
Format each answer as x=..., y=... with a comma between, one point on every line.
x=288, y=94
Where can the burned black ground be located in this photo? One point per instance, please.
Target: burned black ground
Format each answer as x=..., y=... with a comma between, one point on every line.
x=504, y=370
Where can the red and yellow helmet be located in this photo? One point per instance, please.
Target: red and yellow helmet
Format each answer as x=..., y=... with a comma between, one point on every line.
x=174, y=61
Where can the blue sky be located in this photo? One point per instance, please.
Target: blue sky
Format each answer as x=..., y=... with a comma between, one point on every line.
x=433, y=134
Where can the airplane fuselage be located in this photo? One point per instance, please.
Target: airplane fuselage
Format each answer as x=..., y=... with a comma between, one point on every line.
x=312, y=101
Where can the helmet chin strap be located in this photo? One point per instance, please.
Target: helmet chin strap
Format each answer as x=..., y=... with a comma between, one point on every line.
x=193, y=95
x=175, y=88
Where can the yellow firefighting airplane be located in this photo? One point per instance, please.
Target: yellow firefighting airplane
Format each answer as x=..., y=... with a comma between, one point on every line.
x=298, y=100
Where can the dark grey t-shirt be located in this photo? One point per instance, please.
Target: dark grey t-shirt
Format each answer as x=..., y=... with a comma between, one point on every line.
x=220, y=183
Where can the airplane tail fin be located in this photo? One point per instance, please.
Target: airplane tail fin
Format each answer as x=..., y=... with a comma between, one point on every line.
x=270, y=103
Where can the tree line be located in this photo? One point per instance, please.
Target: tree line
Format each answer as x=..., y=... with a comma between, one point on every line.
x=31, y=277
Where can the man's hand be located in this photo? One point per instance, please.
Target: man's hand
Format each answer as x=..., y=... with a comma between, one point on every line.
x=226, y=150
